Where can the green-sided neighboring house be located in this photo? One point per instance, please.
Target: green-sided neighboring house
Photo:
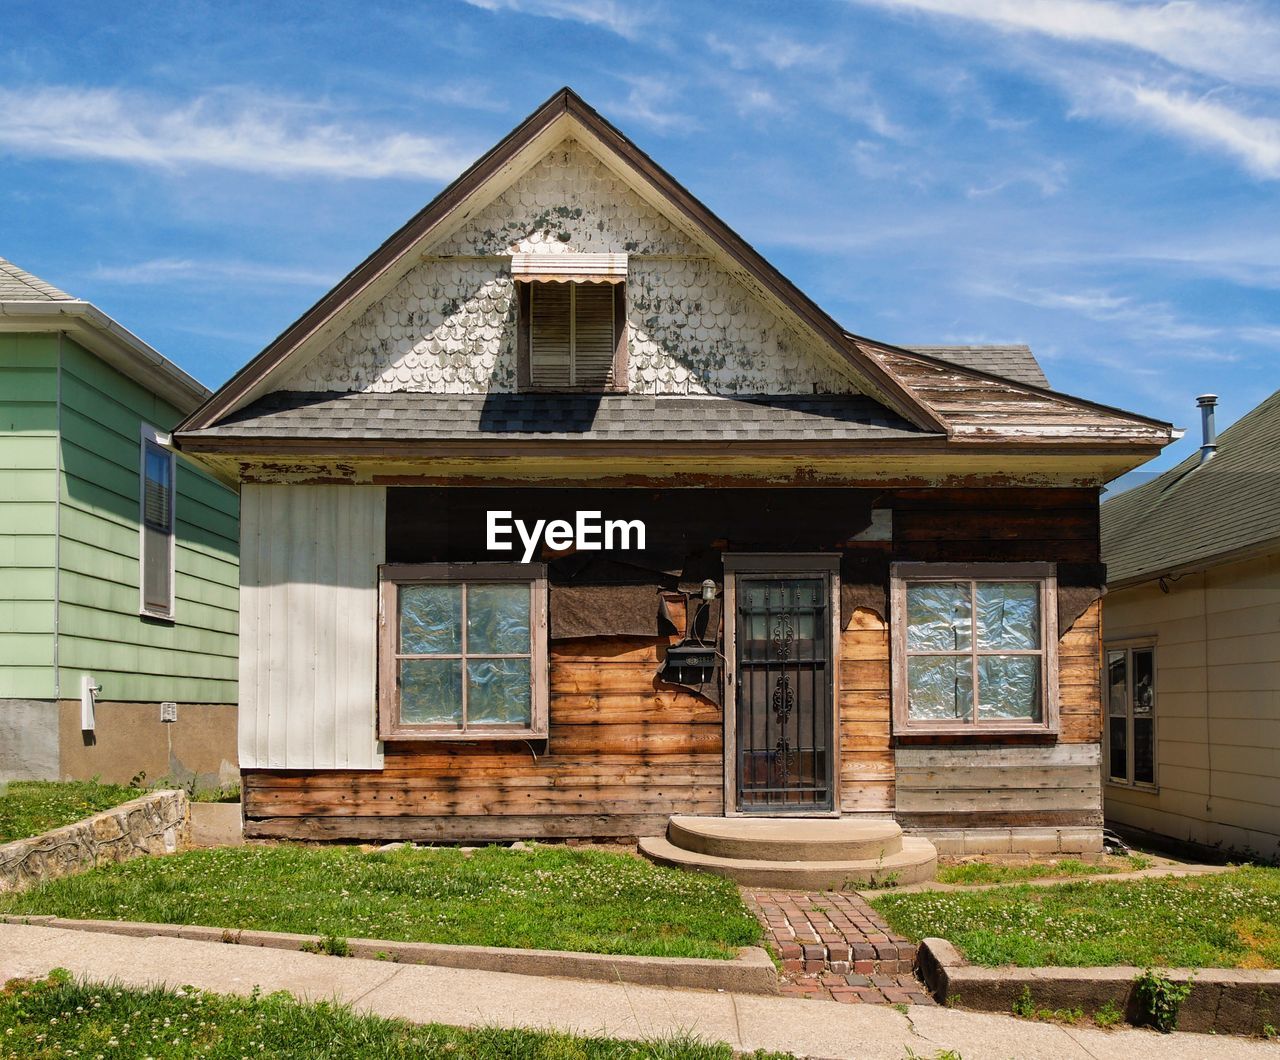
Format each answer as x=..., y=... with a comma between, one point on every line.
x=118, y=558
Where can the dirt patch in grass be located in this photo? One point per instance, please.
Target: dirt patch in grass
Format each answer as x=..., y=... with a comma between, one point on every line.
x=30, y=807
x=1226, y=920
x=558, y=898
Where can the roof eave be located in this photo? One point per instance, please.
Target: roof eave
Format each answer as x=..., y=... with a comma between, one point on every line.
x=113, y=343
x=1253, y=550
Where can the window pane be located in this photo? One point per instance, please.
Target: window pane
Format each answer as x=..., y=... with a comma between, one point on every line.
x=431, y=691
x=1144, y=683
x=1008, y=616
x=498, y=618
x=1117, y=684
x=1144, y=750
x=938, y=616
x=1009, y=688
x=1119, y=752
x=430, y=619
x=157, y=574
x=499, y=692
x=157, y=493
x=940, y=688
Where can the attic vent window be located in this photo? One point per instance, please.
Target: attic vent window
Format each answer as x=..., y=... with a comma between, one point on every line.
x=573, y=321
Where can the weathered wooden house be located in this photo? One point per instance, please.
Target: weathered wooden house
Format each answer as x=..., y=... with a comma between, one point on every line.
x=117, y=557
x=1191, y=693
x=565, y=512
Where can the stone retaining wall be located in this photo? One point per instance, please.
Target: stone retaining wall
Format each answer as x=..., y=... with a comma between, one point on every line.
x=158, y=823
x=1222, y=1000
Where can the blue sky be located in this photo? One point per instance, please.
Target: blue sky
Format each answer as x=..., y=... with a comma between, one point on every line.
x=1097, y=178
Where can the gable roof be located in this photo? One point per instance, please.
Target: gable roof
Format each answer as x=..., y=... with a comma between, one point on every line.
x=30, y=304
x=18, y=285
x=982, y=407
x=564, y=113
x=1015, y=362
x=1197, y=513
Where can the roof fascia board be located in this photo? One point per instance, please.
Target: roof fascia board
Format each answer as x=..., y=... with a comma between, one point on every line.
x=113, y=343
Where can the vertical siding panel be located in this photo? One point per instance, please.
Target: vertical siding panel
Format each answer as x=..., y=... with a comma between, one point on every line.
x=309, y=644
x=250, y=595
x=329, y=640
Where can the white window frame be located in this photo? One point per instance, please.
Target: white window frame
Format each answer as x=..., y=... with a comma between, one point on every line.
x=148, y=435
x=1129, y=645
x=1045, y=574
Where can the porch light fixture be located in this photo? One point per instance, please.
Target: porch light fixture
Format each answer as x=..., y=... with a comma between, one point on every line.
x=708, y=590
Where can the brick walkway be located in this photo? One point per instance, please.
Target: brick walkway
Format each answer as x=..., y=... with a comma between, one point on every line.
x=834, y=946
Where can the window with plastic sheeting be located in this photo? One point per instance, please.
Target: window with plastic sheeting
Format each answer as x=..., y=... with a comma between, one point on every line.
x=1130, y=732
x=462, y=651
x=974, y=648
x=155, y=526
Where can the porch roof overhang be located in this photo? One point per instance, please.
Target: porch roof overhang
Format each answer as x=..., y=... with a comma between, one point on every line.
x=637, y=439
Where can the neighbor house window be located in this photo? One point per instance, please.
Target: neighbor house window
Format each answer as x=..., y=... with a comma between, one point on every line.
x=463, y=652
x=1130, y=693
x=974, y=648
x=572, y=336
x=155, y=525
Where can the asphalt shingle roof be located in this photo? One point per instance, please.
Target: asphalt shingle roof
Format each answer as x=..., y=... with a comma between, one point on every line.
x=18, y=285
x=1009, y=362
x=583, y=417
x=1195, y=511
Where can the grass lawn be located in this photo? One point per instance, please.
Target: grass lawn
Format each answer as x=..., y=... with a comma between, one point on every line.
x=544, y=897
x=57, y=1017
x=29, y=807
x=1229, y=920
x=970, y=872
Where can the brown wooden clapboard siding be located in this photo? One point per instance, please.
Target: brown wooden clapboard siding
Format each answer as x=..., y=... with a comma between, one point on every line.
x=625, y=751
x=866, y=752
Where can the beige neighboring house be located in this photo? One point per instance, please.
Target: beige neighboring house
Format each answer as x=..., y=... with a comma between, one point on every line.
x=1191, y=681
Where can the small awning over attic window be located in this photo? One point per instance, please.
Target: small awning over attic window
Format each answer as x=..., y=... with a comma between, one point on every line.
x=569, y=268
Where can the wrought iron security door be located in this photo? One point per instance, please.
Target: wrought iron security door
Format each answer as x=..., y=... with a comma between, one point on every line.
x=783, y=694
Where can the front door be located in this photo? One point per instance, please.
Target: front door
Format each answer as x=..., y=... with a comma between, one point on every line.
x=783, y=692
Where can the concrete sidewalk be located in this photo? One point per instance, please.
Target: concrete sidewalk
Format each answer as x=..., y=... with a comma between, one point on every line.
x=471, y=998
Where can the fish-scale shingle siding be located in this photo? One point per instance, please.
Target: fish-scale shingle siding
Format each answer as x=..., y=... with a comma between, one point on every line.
x=449, y=326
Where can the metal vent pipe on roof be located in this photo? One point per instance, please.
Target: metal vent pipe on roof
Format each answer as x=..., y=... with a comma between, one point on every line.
x=1209, y=431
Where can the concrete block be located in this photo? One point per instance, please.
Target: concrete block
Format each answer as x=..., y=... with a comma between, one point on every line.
x=1033, y=840
x=987, y=841
x=220, y=824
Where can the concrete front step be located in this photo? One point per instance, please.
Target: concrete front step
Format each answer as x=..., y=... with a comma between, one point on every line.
x=786, y=838
x=916, y=861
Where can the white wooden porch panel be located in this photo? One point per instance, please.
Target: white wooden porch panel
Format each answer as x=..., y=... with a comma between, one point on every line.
x=309, y=560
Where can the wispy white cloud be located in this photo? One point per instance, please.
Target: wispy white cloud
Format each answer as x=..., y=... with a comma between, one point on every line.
x=626, y=20
x=773, y=50
x=1206, y=122
x=190, y=270
x=249, y=133
x=1234, y=41
x=1149, y=320
x=651, y=100
x=1047, y=179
